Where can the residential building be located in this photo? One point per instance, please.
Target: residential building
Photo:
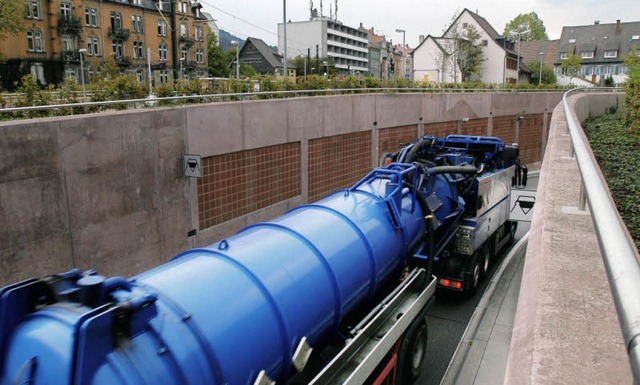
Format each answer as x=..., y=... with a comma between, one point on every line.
x=58, y=32
x=386, y=53
x=344, y=46
x=211, y=22
x=256, y=53
x=601, y=48
x=440, y=58
x=540, y=50
x=403, y=70
x=375, y=58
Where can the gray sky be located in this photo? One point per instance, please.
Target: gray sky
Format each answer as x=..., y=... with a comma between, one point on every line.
x=417, y=17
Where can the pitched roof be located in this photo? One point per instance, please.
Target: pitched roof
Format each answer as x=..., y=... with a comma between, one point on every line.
x=267, y=52
x=599, y=38
x=484, y=24
x=530, y=50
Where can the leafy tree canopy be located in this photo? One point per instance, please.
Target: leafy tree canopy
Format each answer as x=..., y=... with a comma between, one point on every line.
x=528, y=26
x=218, y=60
x=548, y=73
x=571, y=65
x=11, y=17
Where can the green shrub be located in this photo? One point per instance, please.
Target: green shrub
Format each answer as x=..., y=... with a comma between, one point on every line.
x=632, y=91
x=616, y=150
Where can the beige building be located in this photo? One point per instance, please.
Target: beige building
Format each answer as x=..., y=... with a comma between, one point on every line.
x=131, y=33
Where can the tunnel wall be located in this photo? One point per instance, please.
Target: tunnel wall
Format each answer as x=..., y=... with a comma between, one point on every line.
x=107, y=191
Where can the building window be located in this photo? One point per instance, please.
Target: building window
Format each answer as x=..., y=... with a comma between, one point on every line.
x=65, y=11
x=70, y=73
x=138, y=50
x=68, y=43
x=139, y=76
x=162, y=51
x=137, y=2
x=32, y=9
x=564, y=55
x=183, y=29
x=93, y=45
x=91, y=17
x=116, y=21
x=118, y=48
x=34, y=41
x=184, y=7
x=587, y=55
x=611, y=53
x=571, y=41
x=164, y=76
x=200, y=55
x=199, y=34
x=162, y=28
x=136, y=23
x=184, y=54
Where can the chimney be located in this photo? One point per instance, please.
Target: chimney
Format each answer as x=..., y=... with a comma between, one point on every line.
x=596, y=22
x=617, y=26
x=421, y=38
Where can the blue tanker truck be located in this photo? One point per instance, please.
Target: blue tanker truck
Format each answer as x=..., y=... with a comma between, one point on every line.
x=332, y=292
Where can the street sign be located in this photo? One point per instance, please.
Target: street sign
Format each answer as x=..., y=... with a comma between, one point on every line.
x=521, y=205
x=192, y=165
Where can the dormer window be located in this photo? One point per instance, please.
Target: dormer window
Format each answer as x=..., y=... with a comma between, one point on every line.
x=587, y=55
x=611, y=53
x=635, y=37
x=571, y=41
x=564, y=55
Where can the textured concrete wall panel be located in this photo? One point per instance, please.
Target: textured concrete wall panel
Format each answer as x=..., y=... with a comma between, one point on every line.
x=265, y=123
x=215, y=129
x=398, y=110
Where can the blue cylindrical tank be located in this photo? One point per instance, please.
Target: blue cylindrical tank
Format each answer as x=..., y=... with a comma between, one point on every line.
x=224, y=313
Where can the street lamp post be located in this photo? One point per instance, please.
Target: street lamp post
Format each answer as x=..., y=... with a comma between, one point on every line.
x=84, y=93
x=237, y=45
x=540, y=77
x=181, y=61
x=404, y=61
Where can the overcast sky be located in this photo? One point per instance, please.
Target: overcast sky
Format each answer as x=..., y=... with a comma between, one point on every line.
x=259, y=18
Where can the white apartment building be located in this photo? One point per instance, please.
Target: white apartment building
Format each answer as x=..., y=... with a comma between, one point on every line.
x=346, y=46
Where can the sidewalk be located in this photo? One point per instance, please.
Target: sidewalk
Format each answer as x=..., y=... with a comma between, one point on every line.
x=481, y=357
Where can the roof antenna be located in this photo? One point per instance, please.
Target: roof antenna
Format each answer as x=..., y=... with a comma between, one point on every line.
x=336, y=14
x=330, y=11
x=311, y=8
x=321, y=14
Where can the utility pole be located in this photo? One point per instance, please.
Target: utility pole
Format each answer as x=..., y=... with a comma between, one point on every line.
x=284, y=25
x=174, y=41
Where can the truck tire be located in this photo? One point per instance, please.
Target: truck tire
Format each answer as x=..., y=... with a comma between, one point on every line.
x=473, y=275
x=487, y=255
x=413, y=352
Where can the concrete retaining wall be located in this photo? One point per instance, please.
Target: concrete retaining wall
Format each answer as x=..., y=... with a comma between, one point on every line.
x=107, y=191
x=566, y=330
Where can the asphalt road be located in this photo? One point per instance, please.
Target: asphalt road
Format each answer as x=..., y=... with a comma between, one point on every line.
x=448, y=316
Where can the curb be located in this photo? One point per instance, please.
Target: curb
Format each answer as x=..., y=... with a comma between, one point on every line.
x=459, y=356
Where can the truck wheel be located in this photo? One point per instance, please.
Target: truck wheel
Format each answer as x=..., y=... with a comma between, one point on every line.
x=486, y=260
x=513, y=226
x=473, y=277
x=413, y=352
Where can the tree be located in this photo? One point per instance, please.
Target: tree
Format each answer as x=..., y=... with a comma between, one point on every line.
x=548, y=74
x=632, y=88
x=528, y=26
x=218, y=60
x=462, y=44
x=11, y=17
x=571, y=66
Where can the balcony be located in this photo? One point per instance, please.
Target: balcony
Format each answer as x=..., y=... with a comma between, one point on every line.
x=190, y=65
x=69, y=25
x=161, y=65
x=187, y=41
x=123, y=61
x=119, y=33
x=70, y=56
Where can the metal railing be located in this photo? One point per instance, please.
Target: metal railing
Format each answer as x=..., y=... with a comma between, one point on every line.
x=209, y=98
x=618, y=250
